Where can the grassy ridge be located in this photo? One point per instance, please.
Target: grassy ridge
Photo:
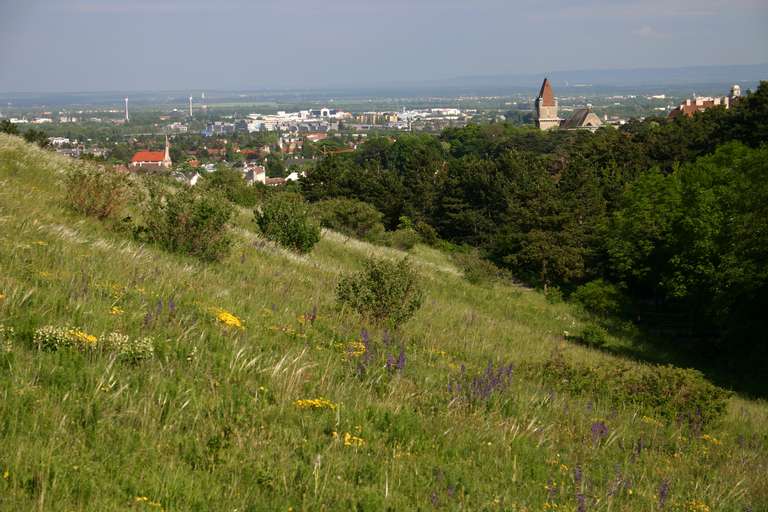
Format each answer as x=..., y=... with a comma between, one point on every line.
x=212, y=421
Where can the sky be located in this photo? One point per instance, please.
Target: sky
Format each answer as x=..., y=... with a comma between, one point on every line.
x=125, y=45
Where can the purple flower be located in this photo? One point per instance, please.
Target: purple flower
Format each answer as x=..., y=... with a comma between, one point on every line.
x=663, y=493
x=577, y=474
x=582, y=503
x=401, y=360
x=599, y=431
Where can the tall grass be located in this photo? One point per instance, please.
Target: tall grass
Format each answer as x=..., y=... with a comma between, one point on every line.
x=210, y=422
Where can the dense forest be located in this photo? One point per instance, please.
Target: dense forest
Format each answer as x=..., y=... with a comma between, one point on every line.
x=664, y=219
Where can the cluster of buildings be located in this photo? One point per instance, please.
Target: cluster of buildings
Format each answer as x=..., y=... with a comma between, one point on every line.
x=421, y=119
x=702, y=103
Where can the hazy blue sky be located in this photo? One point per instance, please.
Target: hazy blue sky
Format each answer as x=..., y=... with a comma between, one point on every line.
x=92, y=45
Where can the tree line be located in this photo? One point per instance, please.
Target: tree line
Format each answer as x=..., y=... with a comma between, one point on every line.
x=668, y=213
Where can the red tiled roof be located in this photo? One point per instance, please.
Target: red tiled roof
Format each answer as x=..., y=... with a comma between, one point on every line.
x=148, y=156
x=546, y=94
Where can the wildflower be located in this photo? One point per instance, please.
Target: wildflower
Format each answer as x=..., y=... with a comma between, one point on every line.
x=356, y=349
x=696, y=506
x=40, y=242
x=2, y=296
x=350, y=440
x=599, y=431
x=6, y=474
x=87, y=340
x=663, y=493
x=115, y=310
x=228, y=318
x=651, y=421
x=6, y=337
x=315, y=403
x=710, y=439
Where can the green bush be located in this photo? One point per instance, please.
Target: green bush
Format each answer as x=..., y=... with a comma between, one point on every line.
x=97, y=191
x=600, y=298
x=476, y=269
x=384, y=291
x=426, y=232
x=285, y=218
x=404, y=239
x=231, y=184
x=554, y=295
x=675, y=394
x=189, y=222
x=594, y=336
x=351, y=217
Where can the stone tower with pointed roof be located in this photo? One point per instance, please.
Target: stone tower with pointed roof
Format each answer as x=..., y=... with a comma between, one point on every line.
x=546, y=108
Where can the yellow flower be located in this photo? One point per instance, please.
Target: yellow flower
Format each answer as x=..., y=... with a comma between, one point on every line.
x=356, y=349
x=82, y=337
x=315, y=403
x=227, y=318
x=697, y=506
x=651, y=421
x=711, y=439
x=116, y=311
x=6, y=474
x=40, y=242
x=350, y=440
x=2, y=296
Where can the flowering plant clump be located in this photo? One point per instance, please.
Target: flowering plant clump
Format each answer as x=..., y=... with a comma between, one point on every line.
x=6, y=338
x=350, y=440
x=54, y=338
x=315, y=403
x=130, y=350
x=227, y=318
x=710, y=439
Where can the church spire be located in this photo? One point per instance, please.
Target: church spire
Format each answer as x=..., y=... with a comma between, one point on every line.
x=546, y=95
x=167, y=157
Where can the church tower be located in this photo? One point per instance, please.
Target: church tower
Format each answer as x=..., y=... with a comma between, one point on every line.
x=546, y=108
x=167, y=157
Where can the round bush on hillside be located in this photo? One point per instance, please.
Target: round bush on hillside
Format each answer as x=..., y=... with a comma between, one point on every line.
x=384, y=291
x=285, y=218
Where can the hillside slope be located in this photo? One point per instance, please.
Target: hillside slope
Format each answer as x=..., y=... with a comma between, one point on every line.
x=287, y=411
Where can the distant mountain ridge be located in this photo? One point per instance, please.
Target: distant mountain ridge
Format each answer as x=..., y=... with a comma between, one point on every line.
x=685, y=75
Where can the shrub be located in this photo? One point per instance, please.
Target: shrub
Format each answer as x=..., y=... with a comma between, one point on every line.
x=426, y=232
x=382, y=291
x=127, y=349
x=600, y=297
x=351, y=217
x=231, y=184
x=7, y=335
x=187, y=222
x=476, y=269
x=594, y=336
x=554, y=295
x=404, y=239
x=675, y=394
x=97, y=191
x=51, y=338
x=285, y=219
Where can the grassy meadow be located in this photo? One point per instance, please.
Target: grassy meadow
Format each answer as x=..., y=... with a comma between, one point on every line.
x=262, y=395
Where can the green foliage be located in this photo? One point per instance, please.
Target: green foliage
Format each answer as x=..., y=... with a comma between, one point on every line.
x=594, y=336
x=8, y=127
x=350, y=217
x=600, y=297
x=404, y=239
x=675, y=394
x=383, y=292
x=99, y=192
x=187, y=221
x=231, y=184
x=286, y=219
x=476, y=269
x=34, y=136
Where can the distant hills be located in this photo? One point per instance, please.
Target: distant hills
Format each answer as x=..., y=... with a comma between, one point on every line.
x=689, y=75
